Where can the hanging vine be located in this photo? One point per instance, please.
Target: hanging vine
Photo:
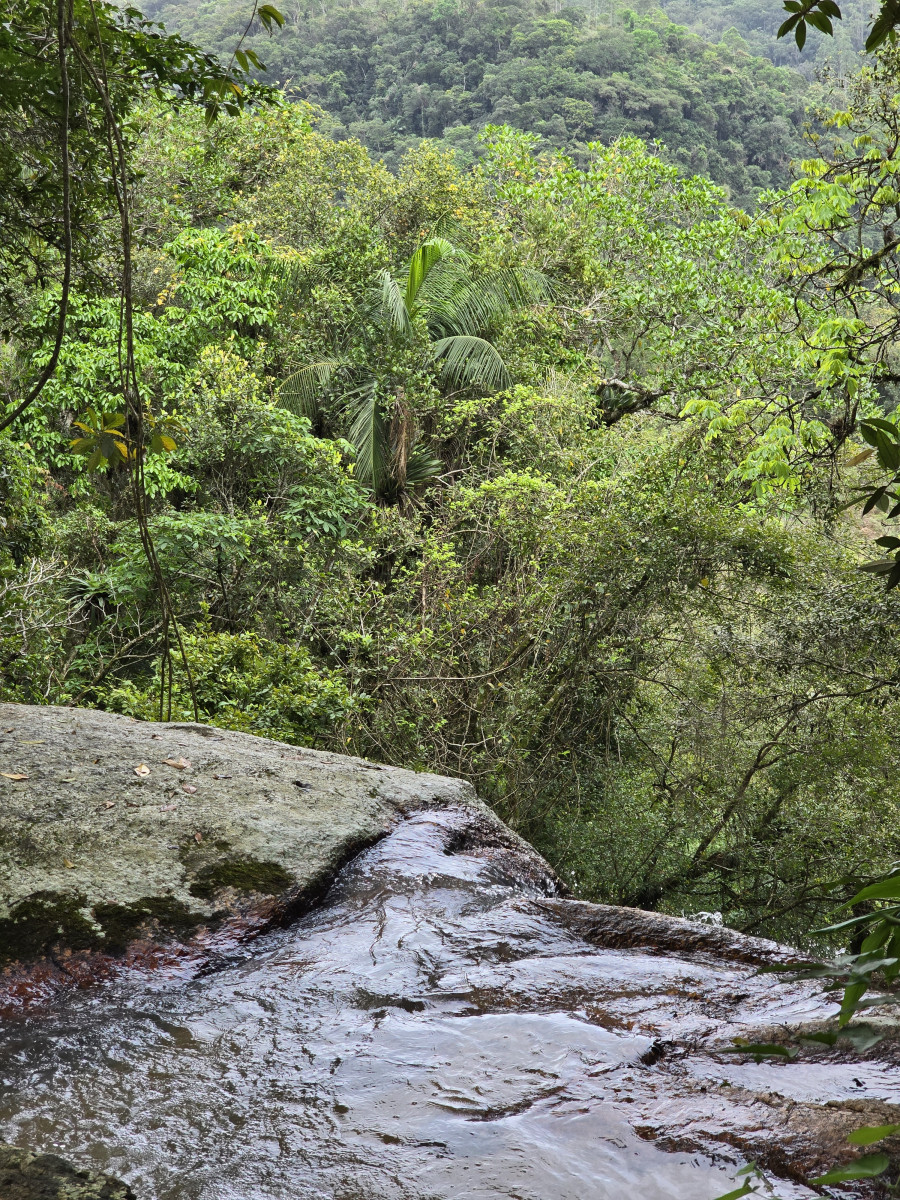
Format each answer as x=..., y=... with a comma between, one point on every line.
x=143, y=56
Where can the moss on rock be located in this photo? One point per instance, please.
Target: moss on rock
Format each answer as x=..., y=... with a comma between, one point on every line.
x=27, y=1176
x=122, y=923
x=43, y=920
x=244, y=874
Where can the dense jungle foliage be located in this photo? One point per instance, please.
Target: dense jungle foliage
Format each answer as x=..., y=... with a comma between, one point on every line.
x=391, y=73
x=533, y=473
x=753, y=25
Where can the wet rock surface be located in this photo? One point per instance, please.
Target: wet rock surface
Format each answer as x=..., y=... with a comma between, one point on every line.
x=26, y=1176
x=120, y=838
x=443, y=1025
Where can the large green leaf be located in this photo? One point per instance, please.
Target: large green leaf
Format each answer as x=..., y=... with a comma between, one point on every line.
x=470, y=361
x=885, y=889
x=370, y=434
x=427, y=256
x=392, y=301
x=422, y=465
x=300, y=392
x=868, y=1135
x=459, y=304
x=867, y=1167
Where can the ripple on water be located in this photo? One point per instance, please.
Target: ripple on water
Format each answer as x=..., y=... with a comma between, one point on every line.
x=426, y=1034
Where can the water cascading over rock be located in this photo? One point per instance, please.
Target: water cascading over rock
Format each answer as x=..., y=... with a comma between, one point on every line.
x=356, y=982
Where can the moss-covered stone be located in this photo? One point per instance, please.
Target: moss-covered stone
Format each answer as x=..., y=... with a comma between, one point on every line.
x=27, y=1176
x=46, y=921
x=113, y=829
x=244, y=875
x=43, y=920
x=122, y=923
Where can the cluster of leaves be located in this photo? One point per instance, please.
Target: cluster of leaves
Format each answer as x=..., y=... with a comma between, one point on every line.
x=821, y=13
x=136, y=59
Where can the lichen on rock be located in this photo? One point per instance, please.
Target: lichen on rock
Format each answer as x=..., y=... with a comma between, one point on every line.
x=27, y=1176
x=115, y=832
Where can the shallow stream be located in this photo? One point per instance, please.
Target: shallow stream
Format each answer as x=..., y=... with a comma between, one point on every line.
x=434, y=1030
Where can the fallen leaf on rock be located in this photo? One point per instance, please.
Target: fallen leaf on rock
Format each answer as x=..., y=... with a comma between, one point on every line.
x=168, y=808
x=189, y=788
x=67, y=863
x=180, y=763
x=198, y=837
x=12, y=775
x=142, y=769
x=109, y=803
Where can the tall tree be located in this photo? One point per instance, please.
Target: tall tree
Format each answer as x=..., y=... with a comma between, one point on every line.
x=436, y=315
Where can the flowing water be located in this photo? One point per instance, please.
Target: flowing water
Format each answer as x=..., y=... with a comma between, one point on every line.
x=434, y=1029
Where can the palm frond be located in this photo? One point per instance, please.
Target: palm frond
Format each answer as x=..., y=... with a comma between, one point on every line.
x=421, y=465
x=470, y=361
x=428, y=255
x=445, y=280
x=290, y=279
x=393, y=304
x=470, y=305
x=369, y=434
x=300, y=392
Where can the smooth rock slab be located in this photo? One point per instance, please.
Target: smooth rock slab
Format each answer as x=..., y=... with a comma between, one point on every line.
x=443, y=1027
x=108, y=850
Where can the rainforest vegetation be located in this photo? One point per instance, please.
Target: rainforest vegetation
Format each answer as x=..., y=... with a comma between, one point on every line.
x=391, y=73
x=532, y=468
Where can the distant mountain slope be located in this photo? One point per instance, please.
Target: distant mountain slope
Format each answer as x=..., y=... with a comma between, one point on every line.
x=391, y=72
x=757, y=22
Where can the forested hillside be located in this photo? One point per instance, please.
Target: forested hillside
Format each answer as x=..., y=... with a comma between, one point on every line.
x=753, y=25
x=391, y=73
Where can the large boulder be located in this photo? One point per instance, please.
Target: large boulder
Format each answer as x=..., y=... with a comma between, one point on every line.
x=121, y=837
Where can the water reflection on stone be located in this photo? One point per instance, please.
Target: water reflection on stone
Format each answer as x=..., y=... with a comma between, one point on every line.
x=436, y=1029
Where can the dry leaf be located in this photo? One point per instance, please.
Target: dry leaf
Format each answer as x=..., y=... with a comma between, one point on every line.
x=198, y=837
x=189, y=788
x=168, y=808
x=67, y=863
x=180, y=763
x=12, y=775
x=39, y=742
x=142, y=769
x=109, y=803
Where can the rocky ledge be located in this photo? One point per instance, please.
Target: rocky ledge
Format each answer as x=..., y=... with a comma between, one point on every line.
x=132, y=842
x=27, y=1176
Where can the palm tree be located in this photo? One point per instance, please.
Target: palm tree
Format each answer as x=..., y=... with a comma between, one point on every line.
x=438, y=310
